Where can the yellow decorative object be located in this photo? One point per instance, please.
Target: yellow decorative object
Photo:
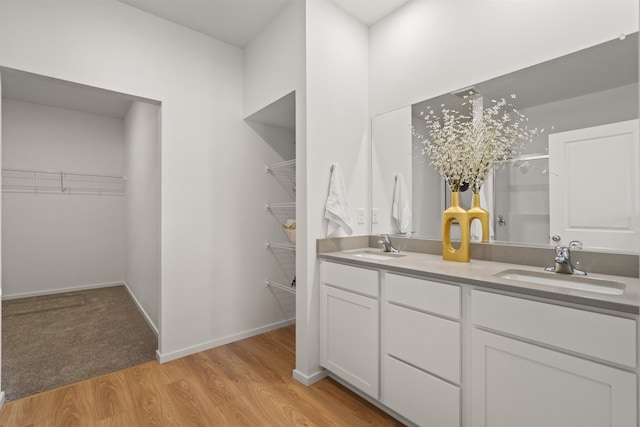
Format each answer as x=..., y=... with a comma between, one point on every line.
x=476, y=212
x=455, y=212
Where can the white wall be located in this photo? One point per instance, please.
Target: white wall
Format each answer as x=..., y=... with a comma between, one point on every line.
x=59, y=241
x=212, y=166
x=142, y=207
x=50, y=138
x=1, y=107
x=319, y=51
x=337, y=132
x=274, y=66
x=431, y=47
x=274, y=60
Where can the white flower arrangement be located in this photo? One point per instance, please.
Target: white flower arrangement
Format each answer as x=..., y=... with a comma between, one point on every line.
x=464, y=149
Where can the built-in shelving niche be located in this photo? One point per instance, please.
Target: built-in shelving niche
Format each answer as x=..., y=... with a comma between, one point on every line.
x=276, y=126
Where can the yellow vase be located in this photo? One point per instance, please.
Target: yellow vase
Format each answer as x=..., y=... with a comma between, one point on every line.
x=476, y=212
x=455, y=212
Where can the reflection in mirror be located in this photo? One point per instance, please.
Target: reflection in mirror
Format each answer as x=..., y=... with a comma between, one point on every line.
x=585, y=91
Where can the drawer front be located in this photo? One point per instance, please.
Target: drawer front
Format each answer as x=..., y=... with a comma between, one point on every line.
x=419, y=397
x=427, y=342
x=424, y=295
x=595, y=334
x=355, y=279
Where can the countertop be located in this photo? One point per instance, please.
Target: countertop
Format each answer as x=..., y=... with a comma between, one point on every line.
x=483, y=274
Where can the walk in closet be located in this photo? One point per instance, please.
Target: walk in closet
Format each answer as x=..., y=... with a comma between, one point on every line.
x=76, y=163
x=80, y=191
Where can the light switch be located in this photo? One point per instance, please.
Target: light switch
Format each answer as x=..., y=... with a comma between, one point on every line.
x=374, y=215
x=360, y=215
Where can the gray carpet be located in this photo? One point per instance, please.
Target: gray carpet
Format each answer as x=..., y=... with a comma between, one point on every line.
x=53, y=340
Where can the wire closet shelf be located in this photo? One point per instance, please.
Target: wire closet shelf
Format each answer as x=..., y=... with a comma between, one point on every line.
x=285, y=174
x=48, y=182
x=287, y=288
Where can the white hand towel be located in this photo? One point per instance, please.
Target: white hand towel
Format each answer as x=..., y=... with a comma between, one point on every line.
x=401, y=209
x=337, y=206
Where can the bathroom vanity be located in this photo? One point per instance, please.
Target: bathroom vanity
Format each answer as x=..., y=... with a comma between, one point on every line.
x=440, y=343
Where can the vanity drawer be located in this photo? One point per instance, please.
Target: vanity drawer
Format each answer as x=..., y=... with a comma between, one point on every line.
x=420, y=397
x=355, y=279
x=427, y=342
x=598, y=335
x=422, y=294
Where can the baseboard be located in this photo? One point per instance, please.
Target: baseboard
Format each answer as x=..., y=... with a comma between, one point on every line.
x=309, y=379
x=141, y=309
x=167, y=357
x=62, y=290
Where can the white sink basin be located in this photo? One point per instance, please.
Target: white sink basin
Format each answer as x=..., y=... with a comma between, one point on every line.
x=378, y=255
x=564, y=281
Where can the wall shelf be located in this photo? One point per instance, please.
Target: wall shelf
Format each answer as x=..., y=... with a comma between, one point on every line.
x=278, y=245
x=289, y=164
x=284, y=252
x=48, y=182
x=287, y=288
x=279, y=206
x=285, y=174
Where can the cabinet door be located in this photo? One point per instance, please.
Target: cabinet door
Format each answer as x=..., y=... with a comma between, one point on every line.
x=520, y=384
x=349, y=337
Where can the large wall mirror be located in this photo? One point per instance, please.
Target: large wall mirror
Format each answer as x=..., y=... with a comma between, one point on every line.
x=578, y=180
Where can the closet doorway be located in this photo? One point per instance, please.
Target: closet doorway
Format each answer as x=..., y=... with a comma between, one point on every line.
x=80, y=231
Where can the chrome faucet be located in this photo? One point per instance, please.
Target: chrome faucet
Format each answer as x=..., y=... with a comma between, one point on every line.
x=563, y=263
x=387, y=246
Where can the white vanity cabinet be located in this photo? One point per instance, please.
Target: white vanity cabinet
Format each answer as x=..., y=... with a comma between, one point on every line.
x=457, y=354
x=539, y=364
x=422, y=350
x=349, y=325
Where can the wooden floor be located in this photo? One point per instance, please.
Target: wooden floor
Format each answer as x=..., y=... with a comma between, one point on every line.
x=246, y=383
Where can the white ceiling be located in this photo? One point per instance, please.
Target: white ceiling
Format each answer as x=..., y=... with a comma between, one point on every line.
x=237, y=22
x=233, y=21
x=369, y=11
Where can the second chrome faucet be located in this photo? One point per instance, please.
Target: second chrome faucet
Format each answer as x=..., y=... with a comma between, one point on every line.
x=563, y=263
